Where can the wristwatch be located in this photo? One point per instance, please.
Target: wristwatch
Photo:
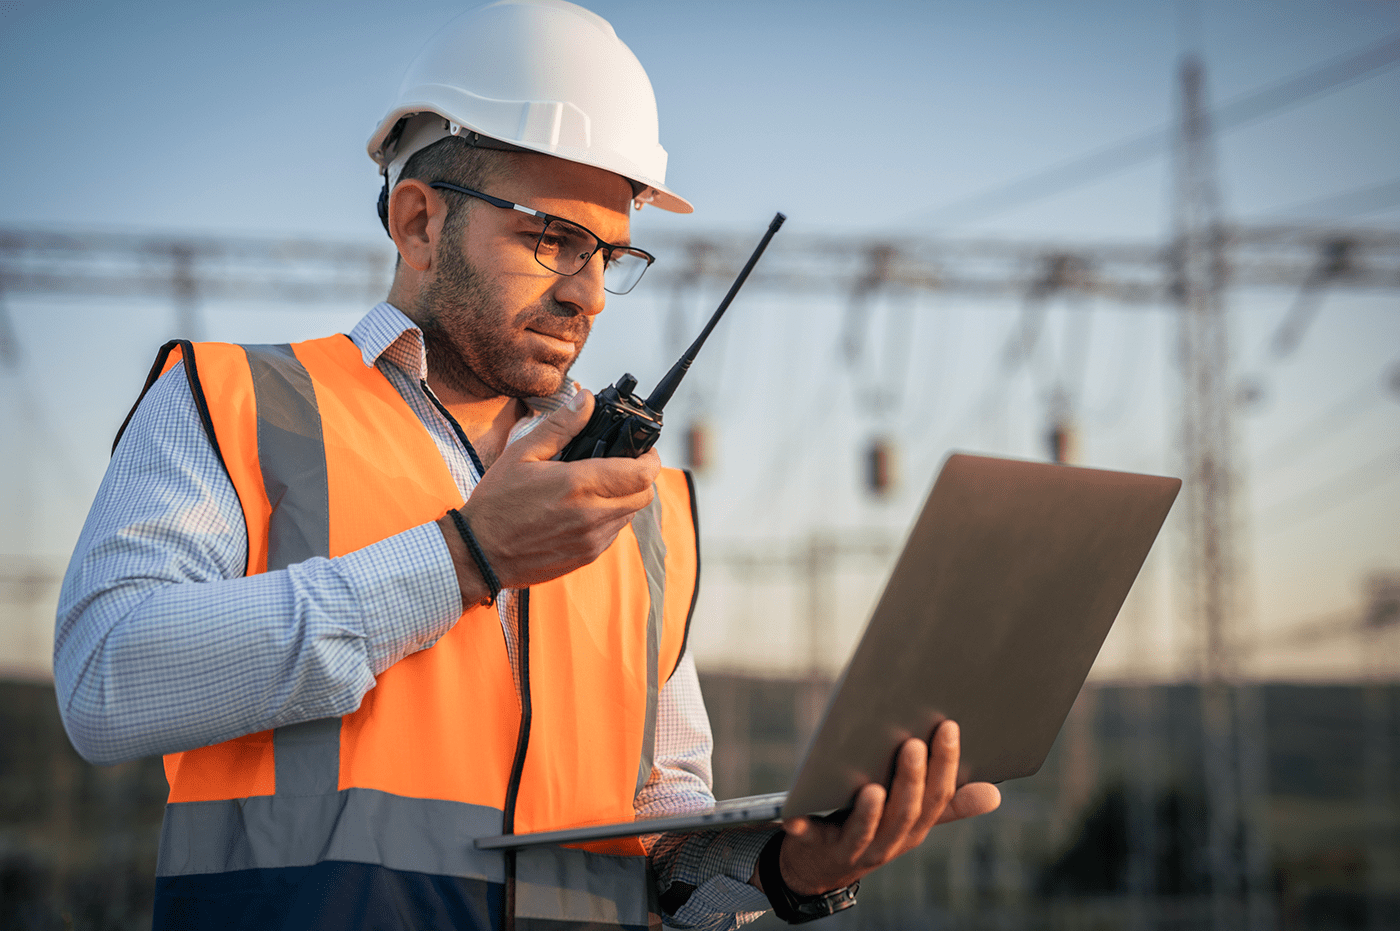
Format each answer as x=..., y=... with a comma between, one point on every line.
x=788, y=905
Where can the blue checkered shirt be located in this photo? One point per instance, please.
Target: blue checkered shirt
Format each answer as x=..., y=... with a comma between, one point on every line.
x=147, y=663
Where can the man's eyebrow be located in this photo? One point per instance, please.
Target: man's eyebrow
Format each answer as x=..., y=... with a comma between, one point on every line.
x=626, y=240
x=528, y=219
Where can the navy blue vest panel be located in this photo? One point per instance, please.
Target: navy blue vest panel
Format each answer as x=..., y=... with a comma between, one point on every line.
x=329, y=896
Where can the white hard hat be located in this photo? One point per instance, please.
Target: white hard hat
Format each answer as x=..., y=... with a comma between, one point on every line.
x=541, y=75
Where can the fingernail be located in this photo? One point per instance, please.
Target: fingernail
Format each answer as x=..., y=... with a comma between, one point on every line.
x=576, y=402
x=948, y=734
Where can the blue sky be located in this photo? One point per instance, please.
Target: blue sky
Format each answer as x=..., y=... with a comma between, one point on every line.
x=251, y=118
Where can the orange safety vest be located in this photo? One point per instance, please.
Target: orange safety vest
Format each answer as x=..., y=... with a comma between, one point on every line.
x=382, y=805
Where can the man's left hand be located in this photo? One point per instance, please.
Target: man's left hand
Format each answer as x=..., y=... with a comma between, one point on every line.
x=819, y=856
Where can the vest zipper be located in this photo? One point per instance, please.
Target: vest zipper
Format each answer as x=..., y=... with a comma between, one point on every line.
x=456, y=427
x=522, y=740
x=522, y=744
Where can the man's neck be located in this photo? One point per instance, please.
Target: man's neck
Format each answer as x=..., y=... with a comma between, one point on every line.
x=487, y=422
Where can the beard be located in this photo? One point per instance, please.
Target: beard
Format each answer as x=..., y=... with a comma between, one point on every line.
x=476, y=349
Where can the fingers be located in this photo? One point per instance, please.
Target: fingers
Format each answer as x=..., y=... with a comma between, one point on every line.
x=863, y=824
x=925, y=782
x=975, y=798
x=618, y=478
x=627, y=481
x=942, y=777
x=797, y=827
x=537, y=519
x=819, y=856
x=553, y=434
x=902, y=808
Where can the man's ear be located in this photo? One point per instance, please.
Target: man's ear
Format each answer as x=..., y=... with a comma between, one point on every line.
x=416, y=217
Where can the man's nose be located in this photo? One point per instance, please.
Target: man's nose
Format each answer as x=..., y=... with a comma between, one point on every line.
x=584, y=288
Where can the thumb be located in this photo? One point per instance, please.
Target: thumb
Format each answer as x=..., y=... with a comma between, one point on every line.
x=797, y=827
x=555, y=431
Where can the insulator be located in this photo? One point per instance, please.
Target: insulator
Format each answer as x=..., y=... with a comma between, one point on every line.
x=1384, y=607
x=697, y=446
x=1250, y=394
x=880, y=465
x=1061, y=438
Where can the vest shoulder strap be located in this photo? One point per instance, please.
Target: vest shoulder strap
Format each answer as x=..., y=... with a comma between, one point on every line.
x=695, y=588
x=163, y=362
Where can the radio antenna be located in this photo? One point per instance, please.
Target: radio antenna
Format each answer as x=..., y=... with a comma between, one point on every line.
x=668, y=385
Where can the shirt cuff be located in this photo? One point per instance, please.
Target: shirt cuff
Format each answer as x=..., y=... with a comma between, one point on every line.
x=407, y=591
x=708, y=877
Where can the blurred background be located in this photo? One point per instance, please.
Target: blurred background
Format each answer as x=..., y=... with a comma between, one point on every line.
x=1152, y=236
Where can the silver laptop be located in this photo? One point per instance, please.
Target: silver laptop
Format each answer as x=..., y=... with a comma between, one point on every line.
x=997, y=607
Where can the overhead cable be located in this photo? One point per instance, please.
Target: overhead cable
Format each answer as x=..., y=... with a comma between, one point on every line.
x=1309, y=437
x=1330, y=76
x=1330, y=495
x=1354, y=203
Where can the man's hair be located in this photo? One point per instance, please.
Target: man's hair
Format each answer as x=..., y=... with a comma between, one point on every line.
x=454, y=159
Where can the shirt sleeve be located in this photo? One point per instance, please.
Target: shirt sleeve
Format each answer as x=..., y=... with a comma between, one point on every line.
x=702, y=876
x=163, y=645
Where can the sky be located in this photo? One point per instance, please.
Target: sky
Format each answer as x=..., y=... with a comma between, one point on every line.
x=250, y=119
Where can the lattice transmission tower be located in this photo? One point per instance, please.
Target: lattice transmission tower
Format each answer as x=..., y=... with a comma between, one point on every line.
x=1229, y=709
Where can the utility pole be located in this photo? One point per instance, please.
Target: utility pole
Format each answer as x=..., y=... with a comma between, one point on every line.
x=1236, y=852
x=22, y=456
x=1380, y=625
x=184, y=289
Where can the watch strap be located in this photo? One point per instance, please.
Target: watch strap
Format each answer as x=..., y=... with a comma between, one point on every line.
x=791, y=907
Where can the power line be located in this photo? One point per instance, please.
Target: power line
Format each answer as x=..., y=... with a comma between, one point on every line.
x=1354, y=203
x=1325, y=627
x=1119, y=156
x=1322, y=498
x=1335, y=417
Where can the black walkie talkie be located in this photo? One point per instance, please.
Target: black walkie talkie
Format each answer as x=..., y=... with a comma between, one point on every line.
x=622, y=423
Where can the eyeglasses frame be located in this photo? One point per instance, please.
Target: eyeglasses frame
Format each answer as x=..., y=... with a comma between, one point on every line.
x=601, y=244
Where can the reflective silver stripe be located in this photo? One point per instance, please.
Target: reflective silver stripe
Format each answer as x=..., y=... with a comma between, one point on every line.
x=307, y=757
x=577, y=887
x=357, y=825
x=308, y=821
x=292, y=456
x=646, y=524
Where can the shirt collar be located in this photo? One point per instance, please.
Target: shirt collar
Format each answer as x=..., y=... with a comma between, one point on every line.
x=385, y=332
x=386, y=335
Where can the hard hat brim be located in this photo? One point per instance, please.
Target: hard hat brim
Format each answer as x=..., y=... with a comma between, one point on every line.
x=654, y=193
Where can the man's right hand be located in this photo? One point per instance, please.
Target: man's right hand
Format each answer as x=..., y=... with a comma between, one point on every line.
x=537, y=519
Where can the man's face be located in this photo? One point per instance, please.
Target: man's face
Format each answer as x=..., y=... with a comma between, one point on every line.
x=496, y=322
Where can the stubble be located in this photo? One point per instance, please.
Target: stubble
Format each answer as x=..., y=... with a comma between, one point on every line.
x=473, y=343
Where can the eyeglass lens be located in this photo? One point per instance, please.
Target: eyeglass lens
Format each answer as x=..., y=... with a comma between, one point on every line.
x=566, y=248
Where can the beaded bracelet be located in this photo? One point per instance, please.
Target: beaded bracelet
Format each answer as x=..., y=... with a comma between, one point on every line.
x=488, y=575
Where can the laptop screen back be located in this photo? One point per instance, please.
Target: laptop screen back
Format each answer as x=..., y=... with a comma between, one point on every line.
x=997, y=607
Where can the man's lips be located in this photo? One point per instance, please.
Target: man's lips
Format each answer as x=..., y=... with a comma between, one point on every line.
x=563, y=340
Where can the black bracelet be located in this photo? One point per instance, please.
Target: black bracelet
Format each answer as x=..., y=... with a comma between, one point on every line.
x=488, y=575
x=788, y=905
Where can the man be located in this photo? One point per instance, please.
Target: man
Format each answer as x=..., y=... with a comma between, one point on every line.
x=345, y=587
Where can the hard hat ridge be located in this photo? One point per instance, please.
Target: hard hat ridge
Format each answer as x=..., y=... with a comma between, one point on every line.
x=535, y=75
